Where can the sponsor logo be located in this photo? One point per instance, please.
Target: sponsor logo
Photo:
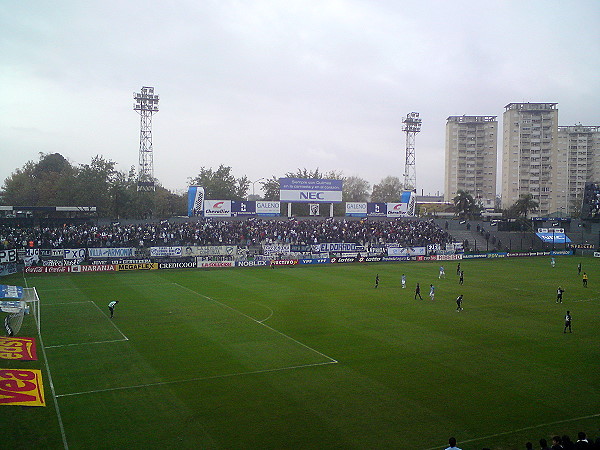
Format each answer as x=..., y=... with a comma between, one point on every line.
x=342, y=260
x=94, y=268
x=284, y=262
x=176, y=265
x=18, y=348
x=51, y=269
x=150, y=266
x=215, y=264
x=21, y=387
x=251, y=263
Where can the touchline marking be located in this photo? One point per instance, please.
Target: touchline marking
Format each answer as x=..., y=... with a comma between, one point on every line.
x=61, y=425
x=257, y=321
x=522, y=429
x=189, y=380
x=87, y=343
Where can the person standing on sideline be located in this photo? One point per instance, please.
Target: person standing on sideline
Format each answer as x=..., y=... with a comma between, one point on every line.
x=559, y=293
x=568, y=322
x=552, y=262
x=585, y=279
x=579, y=269
x=452, y=442
x=459, y=300
x=111, y=307
x=403, y=281
x=461, y=280
x=431, y=291
x=377, y=281
x=418, y=292
x=442, y=272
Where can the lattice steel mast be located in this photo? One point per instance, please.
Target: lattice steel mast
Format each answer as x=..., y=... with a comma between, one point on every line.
x=412, y=125
x=146, y=104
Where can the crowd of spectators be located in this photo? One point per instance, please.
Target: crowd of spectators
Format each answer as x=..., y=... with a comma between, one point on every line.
x=249, y=232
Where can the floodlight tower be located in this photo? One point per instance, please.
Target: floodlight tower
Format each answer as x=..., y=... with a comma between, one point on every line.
x=146, y=104
x=412, y=125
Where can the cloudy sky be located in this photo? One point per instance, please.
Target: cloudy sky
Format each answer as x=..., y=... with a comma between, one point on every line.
x=268, y=87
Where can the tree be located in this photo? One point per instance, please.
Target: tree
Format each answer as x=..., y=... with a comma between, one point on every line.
x=524, y=205
x=355, y=189
x=221, y=184
x=389, y=189
x=464, y=204
x=270, y=188
x=47, y=182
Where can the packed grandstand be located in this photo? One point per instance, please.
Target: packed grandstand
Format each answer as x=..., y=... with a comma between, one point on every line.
x=249, y=232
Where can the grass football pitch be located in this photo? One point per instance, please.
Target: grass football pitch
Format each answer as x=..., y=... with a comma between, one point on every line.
x=314, y=357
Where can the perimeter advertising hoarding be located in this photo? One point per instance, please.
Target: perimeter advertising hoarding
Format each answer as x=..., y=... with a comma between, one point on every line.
x=268, y=208
x=406, y=206
x=356, y=209
x=376, y=209
x=243, y=208
x=217, y=208
x=310, y=190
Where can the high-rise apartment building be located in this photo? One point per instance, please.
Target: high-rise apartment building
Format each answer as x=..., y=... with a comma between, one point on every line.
x=530, y=154
x=471, y=153
x=577, y=162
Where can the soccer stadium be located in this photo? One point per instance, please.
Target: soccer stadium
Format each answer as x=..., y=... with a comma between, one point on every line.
x=277, y=332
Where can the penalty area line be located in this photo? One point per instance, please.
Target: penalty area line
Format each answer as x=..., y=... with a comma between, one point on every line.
x=86, y=343
x=189, y=380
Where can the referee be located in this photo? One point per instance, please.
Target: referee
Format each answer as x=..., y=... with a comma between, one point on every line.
x=111, y=307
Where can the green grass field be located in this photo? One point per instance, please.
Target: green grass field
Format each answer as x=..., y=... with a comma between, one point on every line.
x=314, y=357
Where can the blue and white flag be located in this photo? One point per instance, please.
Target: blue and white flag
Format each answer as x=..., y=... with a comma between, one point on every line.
x=195, y=201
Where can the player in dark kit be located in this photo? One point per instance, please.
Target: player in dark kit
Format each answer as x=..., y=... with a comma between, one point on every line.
x=559, y=293
x=568, y=322
x=418, y=292
x=459, y=307
x=377, y=281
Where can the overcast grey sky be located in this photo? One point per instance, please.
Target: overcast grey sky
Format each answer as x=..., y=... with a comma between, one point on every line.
x=268, y=87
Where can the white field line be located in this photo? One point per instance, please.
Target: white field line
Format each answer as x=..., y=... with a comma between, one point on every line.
x=125, y=338
x=543, y=425
x=113, y=323
x=258, y=322
x=189, y=380
x=103, y=288
x=52, y=389
x=87, y=343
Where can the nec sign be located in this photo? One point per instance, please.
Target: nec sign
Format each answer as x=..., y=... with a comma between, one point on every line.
x=310, y=190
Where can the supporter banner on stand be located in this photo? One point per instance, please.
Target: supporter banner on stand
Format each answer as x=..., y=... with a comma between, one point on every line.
x=18, y=348
x=162, y=252
x=21, y=387
x=337, y=247
x=8, y=269
x=123, y=252
x=8, y=256
x=406, y=251
x=276, y=249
